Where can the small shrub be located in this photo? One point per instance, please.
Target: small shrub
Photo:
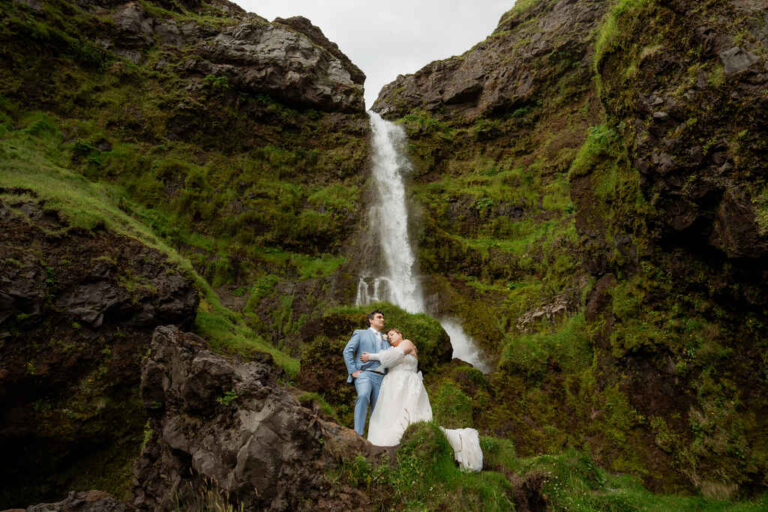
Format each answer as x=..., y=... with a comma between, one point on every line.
x=229, y=397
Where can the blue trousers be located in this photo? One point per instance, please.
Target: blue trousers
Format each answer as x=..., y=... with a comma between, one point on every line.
x=368, y=385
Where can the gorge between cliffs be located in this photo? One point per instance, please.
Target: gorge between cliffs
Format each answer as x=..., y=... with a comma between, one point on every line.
x=196, y=212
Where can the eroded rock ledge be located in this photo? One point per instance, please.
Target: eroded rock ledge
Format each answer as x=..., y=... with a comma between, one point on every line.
x=228, y=425
x=289, y=59
x=512, y=68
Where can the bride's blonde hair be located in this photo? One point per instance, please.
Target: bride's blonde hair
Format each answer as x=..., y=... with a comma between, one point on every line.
x=398, y=331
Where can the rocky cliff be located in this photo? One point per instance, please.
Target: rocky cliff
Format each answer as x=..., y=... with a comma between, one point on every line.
x=155, y=156
x=240, y=142
x=77, y=310
x=610, y=207
x=229, y=428
x=180, y=198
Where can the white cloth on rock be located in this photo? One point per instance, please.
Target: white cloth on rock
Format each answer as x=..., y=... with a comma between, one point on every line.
x=466, y=447
x=403, y=400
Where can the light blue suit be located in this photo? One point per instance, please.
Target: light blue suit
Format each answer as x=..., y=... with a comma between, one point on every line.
x=367, y=382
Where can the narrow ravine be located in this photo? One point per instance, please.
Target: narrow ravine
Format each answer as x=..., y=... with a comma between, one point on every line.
x=398, y=281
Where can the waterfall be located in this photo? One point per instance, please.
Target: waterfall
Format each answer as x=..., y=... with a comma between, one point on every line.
x=397, y=282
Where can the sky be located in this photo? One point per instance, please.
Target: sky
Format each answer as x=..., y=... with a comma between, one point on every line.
x=386, y=38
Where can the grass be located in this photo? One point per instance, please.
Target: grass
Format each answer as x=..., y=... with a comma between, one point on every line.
x=31, y=158
x=567, y=345
x=226, y=333
x=609, y=34
x=29, y=161
x=425, y=478
x=317, y=399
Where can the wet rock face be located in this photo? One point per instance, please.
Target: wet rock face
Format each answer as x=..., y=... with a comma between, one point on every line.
x=230, y=423
x=506, y=71
x=77, y=310
x=289, y=59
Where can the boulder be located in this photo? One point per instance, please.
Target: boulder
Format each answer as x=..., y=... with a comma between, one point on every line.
x=226, y=427
x=290, y=59
x=274, y=59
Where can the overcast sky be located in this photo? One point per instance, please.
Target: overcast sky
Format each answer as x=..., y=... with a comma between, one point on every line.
x=386, y=38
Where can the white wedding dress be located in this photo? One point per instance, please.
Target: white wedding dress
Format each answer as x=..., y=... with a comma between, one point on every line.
x=403, y=400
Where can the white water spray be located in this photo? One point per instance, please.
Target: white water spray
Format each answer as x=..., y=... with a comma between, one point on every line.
x=399, y=283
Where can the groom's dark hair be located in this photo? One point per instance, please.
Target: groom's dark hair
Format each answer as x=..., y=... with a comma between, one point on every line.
x=372, y=314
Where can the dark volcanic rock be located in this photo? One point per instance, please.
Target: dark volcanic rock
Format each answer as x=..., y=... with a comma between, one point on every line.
x=697, y=144
x=76, y=312
x=228, y=422
x=270, y=58
x=289, y=59
x=303, y=25
x=690, y=116
x=508, y=70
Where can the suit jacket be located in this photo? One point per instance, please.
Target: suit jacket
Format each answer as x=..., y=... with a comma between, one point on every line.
x=363, y=340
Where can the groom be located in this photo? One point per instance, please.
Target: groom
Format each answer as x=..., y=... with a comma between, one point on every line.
x=366, y=375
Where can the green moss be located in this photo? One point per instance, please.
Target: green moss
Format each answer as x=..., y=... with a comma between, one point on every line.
x=451, y=407
x=425, y=332
x=422, y=122
x=498, y=454
x=760, y=203
x=567, y=346
x=424, y=477
x=427, y=478
x=226, y=332
x=608, y=38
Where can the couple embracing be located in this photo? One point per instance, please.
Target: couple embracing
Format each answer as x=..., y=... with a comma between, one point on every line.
x=383, y=368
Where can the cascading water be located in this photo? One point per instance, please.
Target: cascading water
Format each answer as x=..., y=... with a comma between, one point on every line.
x=398, y=283
x=389, y=217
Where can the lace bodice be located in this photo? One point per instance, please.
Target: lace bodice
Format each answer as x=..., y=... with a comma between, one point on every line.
x=409, y=363
x=396, y=360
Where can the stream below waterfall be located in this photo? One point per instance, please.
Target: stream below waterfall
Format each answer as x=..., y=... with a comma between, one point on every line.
x=398, y=282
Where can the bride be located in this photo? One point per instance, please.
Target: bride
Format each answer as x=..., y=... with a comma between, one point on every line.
x=403, y=399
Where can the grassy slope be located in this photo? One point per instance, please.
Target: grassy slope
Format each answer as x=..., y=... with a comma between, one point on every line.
x=426, y=478
x=33, y=156
x=261, y=198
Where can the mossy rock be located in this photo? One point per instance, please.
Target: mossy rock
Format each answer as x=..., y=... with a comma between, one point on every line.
x=424, y=441
x=431, y=340
x=323, y=372
x=452, y=408
x=322, y=364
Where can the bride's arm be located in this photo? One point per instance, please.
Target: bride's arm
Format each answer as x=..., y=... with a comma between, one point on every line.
x=388, y=358
x=409, y=348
